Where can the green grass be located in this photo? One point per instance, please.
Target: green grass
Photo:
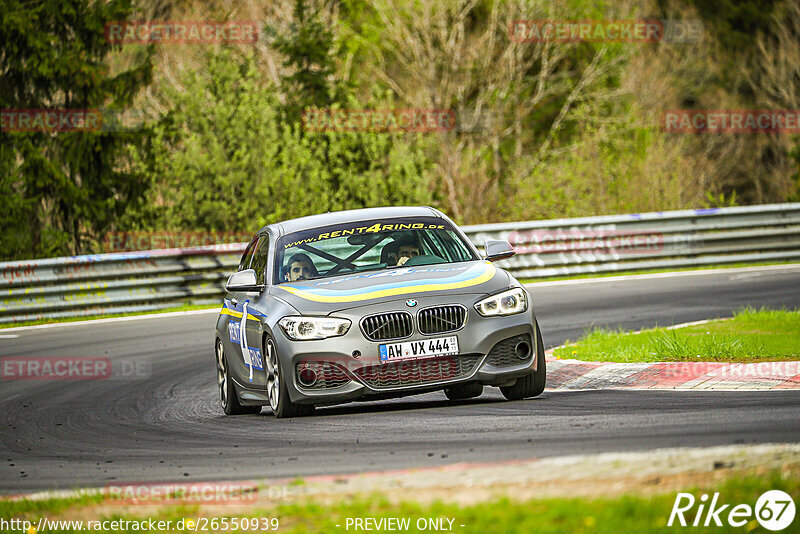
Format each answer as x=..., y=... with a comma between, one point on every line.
x=653, y=271
x=629, y=513
x=751, y=336
x=185, y=307
x=29, y=509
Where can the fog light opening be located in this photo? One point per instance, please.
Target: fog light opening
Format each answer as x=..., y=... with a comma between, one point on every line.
x=523, y=350
x=307, y=377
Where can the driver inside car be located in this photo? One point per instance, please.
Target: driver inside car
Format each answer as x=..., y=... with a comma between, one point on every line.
x=300, y=267
x=407, y=249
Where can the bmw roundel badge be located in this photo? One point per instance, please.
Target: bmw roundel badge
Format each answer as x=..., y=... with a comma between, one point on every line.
x=411, y=303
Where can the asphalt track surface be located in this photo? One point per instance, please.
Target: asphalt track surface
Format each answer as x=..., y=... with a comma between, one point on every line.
x=168, y=426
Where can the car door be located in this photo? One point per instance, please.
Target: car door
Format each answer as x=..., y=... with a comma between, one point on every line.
x=252, y=318
x=246, y=363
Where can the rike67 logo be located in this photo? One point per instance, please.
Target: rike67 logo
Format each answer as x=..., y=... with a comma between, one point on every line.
x=774, y=510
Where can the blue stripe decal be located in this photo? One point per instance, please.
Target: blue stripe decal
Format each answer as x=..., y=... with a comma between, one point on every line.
x=462, y=276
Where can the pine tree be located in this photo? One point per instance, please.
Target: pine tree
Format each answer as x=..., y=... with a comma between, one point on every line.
x=309, y=50
x=62, y=188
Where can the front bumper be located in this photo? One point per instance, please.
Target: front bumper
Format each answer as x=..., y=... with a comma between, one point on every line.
x=352, y=369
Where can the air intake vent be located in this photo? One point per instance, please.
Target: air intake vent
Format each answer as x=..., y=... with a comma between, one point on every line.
x=386, y=326
x=505, y=353
x=413, y=372
x=441, y=319
x=326, y=375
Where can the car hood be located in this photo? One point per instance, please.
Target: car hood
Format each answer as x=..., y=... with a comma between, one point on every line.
x=359, y=289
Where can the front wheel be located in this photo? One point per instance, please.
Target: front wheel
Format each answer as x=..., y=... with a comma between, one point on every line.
x=227, y=393
x=533, y=384
x=279, y=400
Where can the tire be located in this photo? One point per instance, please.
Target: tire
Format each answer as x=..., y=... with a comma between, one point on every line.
x=469, y=390
x=533, y=384
x=278, y=394
x=227, y=392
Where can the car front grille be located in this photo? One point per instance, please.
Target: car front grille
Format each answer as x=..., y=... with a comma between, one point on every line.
x=386, y=326
x=413, y=372
x=329, y=375
x=504, y=354
x=441, y=319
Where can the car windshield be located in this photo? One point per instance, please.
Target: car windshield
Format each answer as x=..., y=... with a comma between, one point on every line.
x=367, y=246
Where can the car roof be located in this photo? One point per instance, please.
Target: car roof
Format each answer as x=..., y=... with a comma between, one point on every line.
x=339, y=217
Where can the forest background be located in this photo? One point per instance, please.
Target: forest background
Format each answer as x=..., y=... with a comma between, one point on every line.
x=210, y=137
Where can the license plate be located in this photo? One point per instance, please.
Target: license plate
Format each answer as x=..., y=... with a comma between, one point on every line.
x=425, y=348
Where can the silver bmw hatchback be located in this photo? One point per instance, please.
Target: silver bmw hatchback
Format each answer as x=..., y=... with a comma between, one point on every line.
x=369, y=304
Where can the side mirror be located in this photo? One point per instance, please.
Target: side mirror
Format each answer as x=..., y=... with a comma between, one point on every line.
x=243, y=281
x=498, y=250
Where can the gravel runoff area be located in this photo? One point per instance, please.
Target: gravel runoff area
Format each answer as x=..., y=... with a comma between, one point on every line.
x=594, y=475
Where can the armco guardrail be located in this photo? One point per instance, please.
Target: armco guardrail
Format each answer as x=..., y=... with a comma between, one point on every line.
x=102, y=284
x=141, y=281
x=641, y=241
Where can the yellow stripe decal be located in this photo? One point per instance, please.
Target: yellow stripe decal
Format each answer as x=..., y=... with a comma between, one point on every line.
x=486, y=274
x=233, y=313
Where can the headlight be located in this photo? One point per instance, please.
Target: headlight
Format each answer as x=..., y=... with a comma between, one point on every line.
x=505, y=303
x=302, y=328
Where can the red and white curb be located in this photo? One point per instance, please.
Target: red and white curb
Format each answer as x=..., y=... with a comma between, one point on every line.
x=577, y=375
x=566, y=374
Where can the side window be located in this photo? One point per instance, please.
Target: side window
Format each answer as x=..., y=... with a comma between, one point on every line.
x=449, y=246
x=260, y=260
x=248, y=254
